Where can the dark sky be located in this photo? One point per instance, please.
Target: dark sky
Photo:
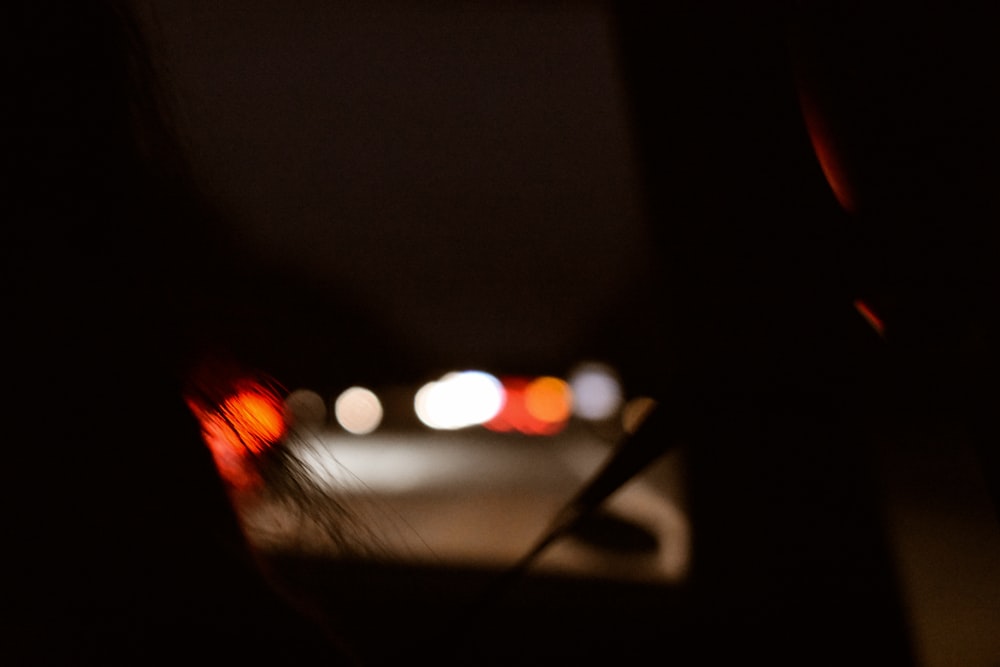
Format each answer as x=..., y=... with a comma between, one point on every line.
x=474, y=175
x=465, y=170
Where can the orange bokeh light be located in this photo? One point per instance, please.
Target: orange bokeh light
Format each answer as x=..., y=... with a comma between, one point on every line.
x=538, y=406
x=548, y=399
x=249, y=421
x=255, y=419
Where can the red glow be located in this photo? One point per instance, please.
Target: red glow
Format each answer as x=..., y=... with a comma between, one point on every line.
x=255, y=418
x=830, y=160
x=531, y=406
x=245, y=423
x=874, y=320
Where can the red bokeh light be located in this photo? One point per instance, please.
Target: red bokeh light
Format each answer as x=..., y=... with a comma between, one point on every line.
x=245, y=423
x=531, y=407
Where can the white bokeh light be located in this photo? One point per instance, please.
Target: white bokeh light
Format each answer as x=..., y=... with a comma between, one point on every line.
x=458, y=400
x=358, y=410
x=597, y=391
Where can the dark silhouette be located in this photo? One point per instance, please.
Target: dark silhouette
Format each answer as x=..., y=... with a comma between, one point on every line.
x=123, y=295
x=122, y=545
x=801, y=156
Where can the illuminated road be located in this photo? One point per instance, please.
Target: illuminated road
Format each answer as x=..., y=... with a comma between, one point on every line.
x=479, y=499
x=425, y=521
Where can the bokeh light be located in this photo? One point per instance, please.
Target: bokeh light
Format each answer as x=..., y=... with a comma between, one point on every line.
x=512, y=415
x=245, y=423
x=533, y=406
x=305, y=409
x=458, y=400
x=597, y=391
x=254, y=419
x=358, y=410
x=548, y=399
